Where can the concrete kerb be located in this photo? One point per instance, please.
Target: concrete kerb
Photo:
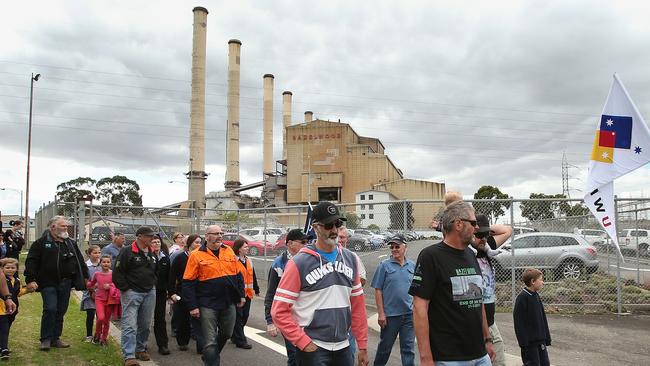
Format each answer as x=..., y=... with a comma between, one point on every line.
x=115, y=333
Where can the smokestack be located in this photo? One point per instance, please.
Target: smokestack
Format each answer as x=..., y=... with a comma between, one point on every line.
x=286, y=120
x=232, y=128
x=196, y=175
x=268, y=124
x=309, y=116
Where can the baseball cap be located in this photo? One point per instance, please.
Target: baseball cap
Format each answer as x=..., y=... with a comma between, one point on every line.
x=326, y=212
x=483, y=223
x=397, y=239
x=296, y=234
x=145, y=230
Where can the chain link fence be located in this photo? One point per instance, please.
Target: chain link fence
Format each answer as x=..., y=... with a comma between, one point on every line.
x=582, y=271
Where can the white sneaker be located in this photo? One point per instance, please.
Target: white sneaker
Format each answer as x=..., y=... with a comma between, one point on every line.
x=89, y=339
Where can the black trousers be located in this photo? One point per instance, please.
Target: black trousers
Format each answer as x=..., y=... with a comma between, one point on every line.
x=159, y=323
x=186, y=325
x=535, y=355
x=90, y=321
x=238, y=336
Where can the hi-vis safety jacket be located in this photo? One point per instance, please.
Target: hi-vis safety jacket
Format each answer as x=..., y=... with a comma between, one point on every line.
x=213, y=282
x=250, y=278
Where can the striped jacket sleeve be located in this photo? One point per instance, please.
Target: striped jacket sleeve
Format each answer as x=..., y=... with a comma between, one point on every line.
x=284, y=299
x=359, y=320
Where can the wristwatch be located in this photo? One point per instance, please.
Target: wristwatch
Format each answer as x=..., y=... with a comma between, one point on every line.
x=488, y=339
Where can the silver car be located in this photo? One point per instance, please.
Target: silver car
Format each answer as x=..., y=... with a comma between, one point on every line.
x=567, y=255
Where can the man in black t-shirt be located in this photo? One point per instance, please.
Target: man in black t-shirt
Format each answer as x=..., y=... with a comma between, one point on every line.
x=448, y=313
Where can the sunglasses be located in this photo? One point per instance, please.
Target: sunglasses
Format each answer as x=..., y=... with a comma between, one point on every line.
x=394, y=247
x=331, y=225
x=481, y=235
x=472, y=222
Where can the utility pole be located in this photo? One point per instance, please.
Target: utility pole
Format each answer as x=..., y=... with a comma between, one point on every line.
x=29, y=154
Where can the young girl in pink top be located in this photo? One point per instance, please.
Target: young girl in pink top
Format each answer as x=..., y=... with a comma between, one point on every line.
x=105, y=294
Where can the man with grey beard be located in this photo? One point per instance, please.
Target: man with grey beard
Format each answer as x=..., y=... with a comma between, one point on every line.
x=55, y=265
x=320, y=298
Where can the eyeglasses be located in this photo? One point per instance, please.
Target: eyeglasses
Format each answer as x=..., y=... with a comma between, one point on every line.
x=395, y=247
x=217, y=233
x=471, y=222
x=330, y=226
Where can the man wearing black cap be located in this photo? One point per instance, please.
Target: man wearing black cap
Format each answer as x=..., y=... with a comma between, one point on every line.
x=320, y=298
x=295, y=241
x=135, y=276
x=391, y=282
x=486, y=240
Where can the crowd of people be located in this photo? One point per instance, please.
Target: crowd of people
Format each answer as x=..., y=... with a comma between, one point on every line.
x=314, y=298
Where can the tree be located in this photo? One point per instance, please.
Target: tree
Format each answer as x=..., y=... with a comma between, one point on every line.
x=396, y=211
x=540, y=210
x=75, y=189
x=353, y=221
x=493, y=210
x=374, y=228
x=120, y=191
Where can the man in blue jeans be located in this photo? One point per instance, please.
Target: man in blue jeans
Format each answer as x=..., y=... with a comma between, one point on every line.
x=213, y=284
x=53, y=266
x=135, y=276
x=391, y=282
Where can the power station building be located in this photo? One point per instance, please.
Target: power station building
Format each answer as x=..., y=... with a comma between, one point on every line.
x=329, y=161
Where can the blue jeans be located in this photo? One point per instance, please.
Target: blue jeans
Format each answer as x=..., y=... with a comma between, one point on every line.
x=291, y=353
x=353, y=345
x=137, y=311
x=483, y=361
x=55, y=305
x=402, y=325
x=217, y=327
x=323, y=357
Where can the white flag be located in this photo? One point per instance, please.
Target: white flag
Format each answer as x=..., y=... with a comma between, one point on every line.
x=621, y=145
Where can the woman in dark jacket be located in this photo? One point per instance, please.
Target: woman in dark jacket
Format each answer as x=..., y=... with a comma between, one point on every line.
x=14, y=240
x=159, y=324
x=184, y=322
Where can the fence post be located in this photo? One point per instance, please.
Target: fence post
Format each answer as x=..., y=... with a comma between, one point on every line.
x=238, y=228
x=81, y=224
x=636, y=224
x=512, y=252
x=618, y=264
x=404, y=212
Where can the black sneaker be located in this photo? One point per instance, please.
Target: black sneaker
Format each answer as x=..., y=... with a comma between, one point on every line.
x=4, y=354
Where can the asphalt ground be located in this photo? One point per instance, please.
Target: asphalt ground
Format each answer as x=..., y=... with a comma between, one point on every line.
x=577, y=339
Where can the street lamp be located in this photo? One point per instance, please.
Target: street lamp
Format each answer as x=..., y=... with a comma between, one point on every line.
x=21, y=196
x=29, y=153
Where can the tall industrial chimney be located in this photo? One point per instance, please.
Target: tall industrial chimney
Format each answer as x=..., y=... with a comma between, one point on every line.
x=197, y=175
x=232, y=128
x=286, y=120
x=309, y=116
x=268, y=124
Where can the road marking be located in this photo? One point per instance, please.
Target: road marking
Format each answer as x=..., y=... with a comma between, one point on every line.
x=254, y=334
x=631, y=269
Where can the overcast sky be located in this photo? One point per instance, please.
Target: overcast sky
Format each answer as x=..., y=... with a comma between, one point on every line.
x=465, y=93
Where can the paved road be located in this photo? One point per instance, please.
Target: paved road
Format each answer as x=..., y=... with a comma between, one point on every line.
x=577, y=340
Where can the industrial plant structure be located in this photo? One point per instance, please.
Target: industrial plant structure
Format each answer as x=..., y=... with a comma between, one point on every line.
x=321, y=160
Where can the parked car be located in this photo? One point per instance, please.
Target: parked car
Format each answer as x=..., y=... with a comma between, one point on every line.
x=593, y=236
x=258, y=233
x=256, y=246
x=628, y=239
x=372, y=235
x=101, y=235
x=518, y=230
x=567, y=255
x=360, y=242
